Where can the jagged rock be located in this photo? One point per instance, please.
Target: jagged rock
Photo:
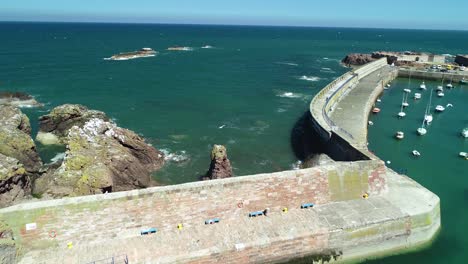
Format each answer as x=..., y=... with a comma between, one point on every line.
x=8, y=246
x=54, y=127
x=101, y=157
x=316, y=160
x=14, y=181
x=15, y=140
x=220, y=166
x=18, y=99
x=357, y=59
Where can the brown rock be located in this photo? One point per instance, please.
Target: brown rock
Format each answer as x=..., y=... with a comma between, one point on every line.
x=15, y=183
x=220, y=166
x=357, y=59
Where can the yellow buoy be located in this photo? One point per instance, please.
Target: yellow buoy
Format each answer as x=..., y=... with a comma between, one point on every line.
x=69, y=245
x=285, y=210
x=179, y=226
x=365, y=195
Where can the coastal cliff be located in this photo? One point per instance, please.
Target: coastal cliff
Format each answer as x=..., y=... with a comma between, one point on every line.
x=101, y=157
x=19, y=160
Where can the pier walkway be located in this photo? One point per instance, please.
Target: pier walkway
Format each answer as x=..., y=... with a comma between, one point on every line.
x=351, y=113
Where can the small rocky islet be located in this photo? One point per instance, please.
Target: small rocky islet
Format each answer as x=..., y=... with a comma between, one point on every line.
x=100, y=156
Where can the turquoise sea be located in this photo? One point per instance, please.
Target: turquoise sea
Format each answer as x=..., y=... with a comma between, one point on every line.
x=246, y=93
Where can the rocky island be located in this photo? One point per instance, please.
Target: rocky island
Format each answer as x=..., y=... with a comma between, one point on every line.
x=18, y=99
x=143, y=53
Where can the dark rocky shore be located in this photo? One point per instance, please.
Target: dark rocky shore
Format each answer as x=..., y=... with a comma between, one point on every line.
x=100, y=157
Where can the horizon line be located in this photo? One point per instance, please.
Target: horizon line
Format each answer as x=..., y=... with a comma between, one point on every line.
x=215, y=24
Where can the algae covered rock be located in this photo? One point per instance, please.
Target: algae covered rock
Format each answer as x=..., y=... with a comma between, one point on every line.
x=101, y=157
x=15, y=183
x=15, y=140
x=220, y=166
x=18, y=99
x=54, y=127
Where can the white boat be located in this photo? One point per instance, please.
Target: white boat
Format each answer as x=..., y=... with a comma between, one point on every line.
x=388, y=85
x=440, y=88
x=465, y=133
x=464, y=81
x=440, y=108
x=440, y=94
x=422, y=86
x=427, y=115
x=379, y=100
x=370, y=123
x=401, y=114
x=463, y=154
x=407, y=90
x=449, y=105
x=449, y=85
x=416, y=153
x=400, y=135
x=417, y=96
x=421, y=131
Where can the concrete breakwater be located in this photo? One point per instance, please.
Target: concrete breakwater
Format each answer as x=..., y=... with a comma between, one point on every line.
x=455, y=77
x=361, y=210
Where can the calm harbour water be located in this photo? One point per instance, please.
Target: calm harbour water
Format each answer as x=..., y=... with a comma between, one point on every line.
x=245, y=93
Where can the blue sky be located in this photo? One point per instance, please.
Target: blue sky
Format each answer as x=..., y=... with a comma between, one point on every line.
x=429, y=14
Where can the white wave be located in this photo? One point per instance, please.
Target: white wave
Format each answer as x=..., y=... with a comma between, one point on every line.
x=288, y=63
x=221, y=127
x=325, y=58
x=309, y=78
x=289, y=95
x=178, y=156
x=231, y=141
x=207, y=47
x=296, y=165
x=280, y=110
x=57, y=158
x=328, y=70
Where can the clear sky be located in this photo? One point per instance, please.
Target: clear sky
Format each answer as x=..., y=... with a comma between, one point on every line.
x=428, y=14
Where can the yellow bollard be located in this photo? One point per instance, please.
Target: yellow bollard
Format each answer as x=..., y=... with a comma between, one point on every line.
x=285, y=210
x=69, y=245
x=179, y=226
x=365, y=195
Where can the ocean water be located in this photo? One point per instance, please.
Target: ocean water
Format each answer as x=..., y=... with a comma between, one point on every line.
x=246, y=93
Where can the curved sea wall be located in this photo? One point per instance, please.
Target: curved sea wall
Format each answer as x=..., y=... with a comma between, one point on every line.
x=340, y=143
x=339, y=212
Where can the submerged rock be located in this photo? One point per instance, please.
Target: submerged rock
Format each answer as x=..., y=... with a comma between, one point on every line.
x=15, y=183
x=101, y=157
x=18, y=99
x=54, y=127
x=220, y=166
x=15, y=139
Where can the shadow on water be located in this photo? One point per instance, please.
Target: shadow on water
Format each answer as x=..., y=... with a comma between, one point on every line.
x=305, y=141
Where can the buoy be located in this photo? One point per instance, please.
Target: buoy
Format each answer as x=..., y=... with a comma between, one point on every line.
x=365, y=195
x=180, y=226
x=69, y=245
x=285, y=210
x=52, y=233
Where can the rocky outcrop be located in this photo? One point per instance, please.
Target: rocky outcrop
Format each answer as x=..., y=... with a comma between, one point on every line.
x=220, y=166
x=357, y=59
x=18, y=99
x=54, y=127
x=8, y=246
x=100, y=157
x=15, y=139
x=15, y=183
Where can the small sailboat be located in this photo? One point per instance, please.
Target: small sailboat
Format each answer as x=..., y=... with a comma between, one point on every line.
x=440, y=108
x=450, y=85
x=376, y=110
x=399, y=135
x=416, y=153
x=463, y=154
x=464, y=81
x=417, y=96
x=402, y=114
x=428, y=116
x=422, y=86
x=370, y=123
x=407, y=90
x=405, y=101
x=440, y=94
x=440, y=88
x=421, y=130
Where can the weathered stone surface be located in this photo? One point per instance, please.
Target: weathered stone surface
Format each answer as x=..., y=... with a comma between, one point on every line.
x=15, y=140
x=317, y=160
x=220, y=166
x=101, y=157
x=17, y=99
x=15, y=184
x=7, y=244
x=54, y=127
x=357, y=59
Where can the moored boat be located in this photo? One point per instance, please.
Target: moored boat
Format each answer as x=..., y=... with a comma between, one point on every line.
x=376, y=110
x=422, y=86
x=417, y=96
x=400, y=135
x=416, y=153
x=440, y=108
x=464, y=133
